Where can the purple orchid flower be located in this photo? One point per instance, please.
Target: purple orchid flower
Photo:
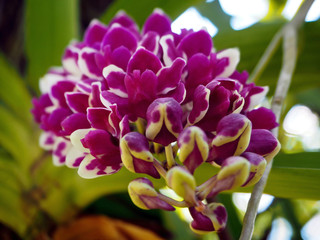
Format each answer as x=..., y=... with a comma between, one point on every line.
x=160, y=104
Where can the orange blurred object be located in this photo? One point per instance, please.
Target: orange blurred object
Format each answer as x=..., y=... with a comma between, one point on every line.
x=102, y=228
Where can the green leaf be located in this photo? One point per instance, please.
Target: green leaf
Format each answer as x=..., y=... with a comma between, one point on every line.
x=310, y=98
x=16, y=139
x=234, y=225
x=305, y=160
x=214, y=12
x=68, y=192
x=10, y=172
x=178, y=228
x=140, y=10
x=13, y=91
x=11, y=188
x=298, y=183
x=50, y=26
x=11, y=213
x=253, y=41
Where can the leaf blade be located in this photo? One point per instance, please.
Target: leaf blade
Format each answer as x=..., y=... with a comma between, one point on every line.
x=13, y=91
x=50, y=26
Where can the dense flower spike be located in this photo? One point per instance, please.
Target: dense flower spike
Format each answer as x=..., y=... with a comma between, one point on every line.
x=161, y=104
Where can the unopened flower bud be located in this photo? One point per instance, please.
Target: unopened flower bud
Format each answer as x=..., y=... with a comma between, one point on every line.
x=233, y=137
x=234, y=172
x=182, y=182
x=164, y=118
x=212, y=218
x=264, y=143
x=194, y=148
x=235, y=168
x=257, y=166
x=135, y=154
x=144, y=195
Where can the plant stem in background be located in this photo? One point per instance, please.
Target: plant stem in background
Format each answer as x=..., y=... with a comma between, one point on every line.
x=267, y=55
x=289, y=34
x=169, y=155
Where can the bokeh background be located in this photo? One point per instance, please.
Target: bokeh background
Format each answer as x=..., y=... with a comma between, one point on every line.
x=40, y=201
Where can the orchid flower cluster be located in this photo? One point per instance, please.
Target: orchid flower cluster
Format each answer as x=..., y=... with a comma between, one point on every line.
x=161, y=104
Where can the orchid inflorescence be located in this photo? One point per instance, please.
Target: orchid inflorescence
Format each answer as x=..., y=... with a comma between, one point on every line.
x=161, y=104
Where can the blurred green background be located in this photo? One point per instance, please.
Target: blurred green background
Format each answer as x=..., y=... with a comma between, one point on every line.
x=37, y=198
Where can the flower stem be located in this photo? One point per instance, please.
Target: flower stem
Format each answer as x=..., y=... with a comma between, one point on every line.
x=173, y=202
x=267, y=55
x=205, y=188
x=169, y=155
x=289, y=33
x=140, y=125
x=159, y=168
x=157, y=147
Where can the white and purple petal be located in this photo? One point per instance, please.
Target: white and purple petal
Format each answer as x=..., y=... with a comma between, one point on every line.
x=60, y=150
x=92, y=167
x=262, y=118
x=70, y=60
x=74, y=157
x=118, y=36
x=74, y=122
x=124, y=20
x=115, y=80
x=98, y=118
x=200, y=104
x=170, y=52
x=87, y=63
x=203, y=43
x=100, y=143
x=263, y=143
x=95, y=32
x=47, y=140
x=142, y=60
x=78, y=102
x=169, y=77
x=157, y=22
x=150, y=41
x=257, y=167
x=76, y=138
x=233, y=57
x=255, y=97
